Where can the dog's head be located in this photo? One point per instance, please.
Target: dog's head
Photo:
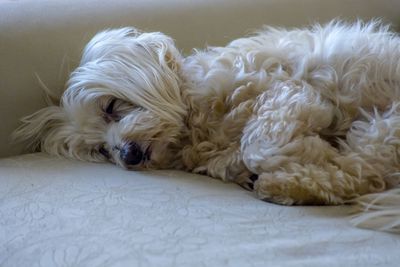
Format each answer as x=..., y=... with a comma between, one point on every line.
x=122, y=104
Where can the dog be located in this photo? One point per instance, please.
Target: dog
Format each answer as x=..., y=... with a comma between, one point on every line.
x=306, y=116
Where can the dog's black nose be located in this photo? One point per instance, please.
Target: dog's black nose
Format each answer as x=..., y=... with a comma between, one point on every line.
x=131, y=154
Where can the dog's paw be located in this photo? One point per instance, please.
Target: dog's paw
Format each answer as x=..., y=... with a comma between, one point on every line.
x=280, y=200
x=248, y=181
x=271, y=190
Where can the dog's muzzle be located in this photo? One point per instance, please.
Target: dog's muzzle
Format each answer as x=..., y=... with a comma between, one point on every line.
x=131, y=154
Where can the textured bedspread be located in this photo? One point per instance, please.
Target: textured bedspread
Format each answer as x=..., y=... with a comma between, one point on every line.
x=56, y=212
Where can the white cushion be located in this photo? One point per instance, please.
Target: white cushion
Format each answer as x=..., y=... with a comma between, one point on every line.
x=58, y=212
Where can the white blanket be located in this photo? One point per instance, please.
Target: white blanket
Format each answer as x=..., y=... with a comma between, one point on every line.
x=56, y=212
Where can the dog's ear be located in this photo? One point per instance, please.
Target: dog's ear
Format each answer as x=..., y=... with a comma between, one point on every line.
x=44, y=130
x=160, y=64
x=121, y=41
x=164, y=47
x=107, y=41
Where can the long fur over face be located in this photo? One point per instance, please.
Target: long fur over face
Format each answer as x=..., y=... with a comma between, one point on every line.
x=136, y=73
x=302, y=116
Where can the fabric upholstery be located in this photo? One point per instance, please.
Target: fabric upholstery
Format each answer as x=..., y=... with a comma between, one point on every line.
x=57, y=212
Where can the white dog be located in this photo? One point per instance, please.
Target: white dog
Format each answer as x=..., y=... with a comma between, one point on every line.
x=303, y=116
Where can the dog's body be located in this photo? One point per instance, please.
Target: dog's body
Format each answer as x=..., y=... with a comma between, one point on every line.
x=304, y=116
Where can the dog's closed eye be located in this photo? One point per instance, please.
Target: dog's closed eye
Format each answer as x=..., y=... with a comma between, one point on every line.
x=110, y=108
x=116, y=109
x=110, y=113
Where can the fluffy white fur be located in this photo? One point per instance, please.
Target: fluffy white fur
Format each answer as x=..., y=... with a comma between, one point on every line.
x=313, y=113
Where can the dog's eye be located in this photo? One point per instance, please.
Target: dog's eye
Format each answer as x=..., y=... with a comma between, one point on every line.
x=104, y=152
x=110, y=108
x=110, y=113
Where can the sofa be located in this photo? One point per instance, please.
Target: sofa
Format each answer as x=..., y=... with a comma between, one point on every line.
x=61, y=212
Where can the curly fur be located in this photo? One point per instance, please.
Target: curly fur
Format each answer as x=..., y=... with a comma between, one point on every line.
x=314, y=112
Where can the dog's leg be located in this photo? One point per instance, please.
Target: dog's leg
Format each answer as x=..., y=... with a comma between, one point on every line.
x=295, y=165
x=314, y=184
x=376, y=138
x=367, y=161
x=283, y=116
x=329, y=177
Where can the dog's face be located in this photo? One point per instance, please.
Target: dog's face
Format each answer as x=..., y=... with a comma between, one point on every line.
x=122, y=104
